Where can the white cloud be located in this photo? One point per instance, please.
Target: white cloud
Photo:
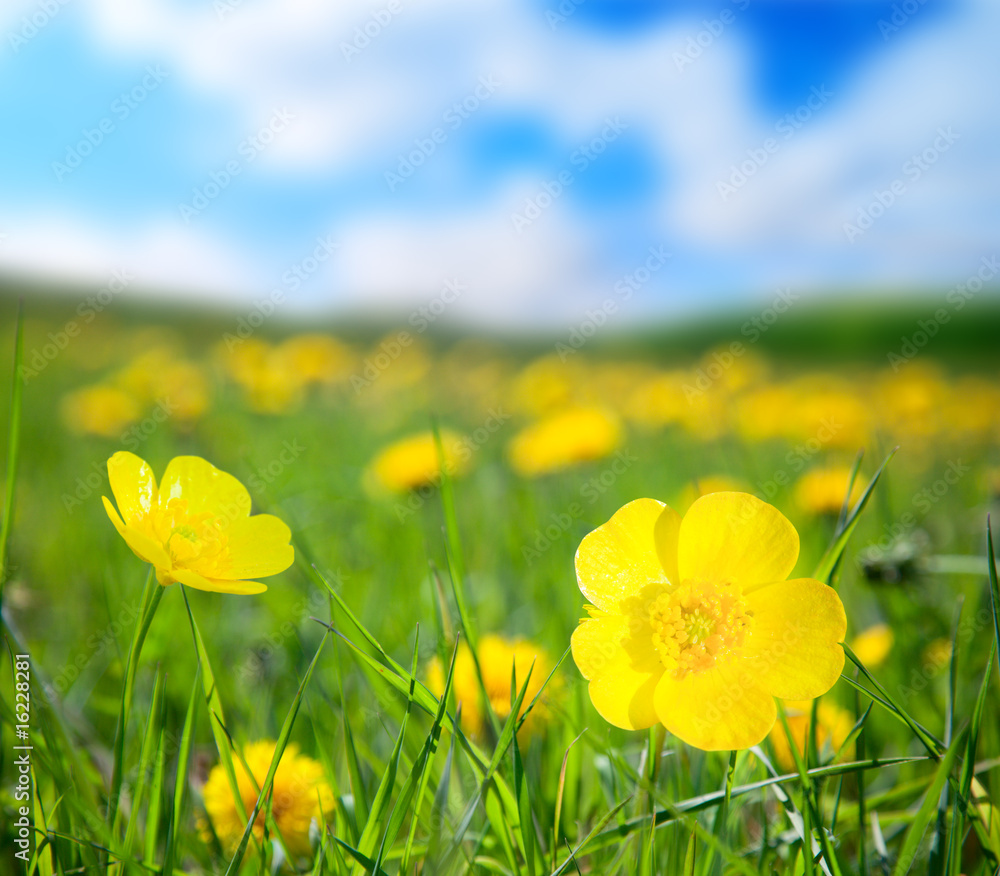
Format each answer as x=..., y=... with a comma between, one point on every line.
x=162, y=259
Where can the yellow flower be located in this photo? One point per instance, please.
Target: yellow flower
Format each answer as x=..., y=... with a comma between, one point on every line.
x=99, y=410
x=693, y=624
x=937, y=653
x=496, y=656
x=822, y=490
x=317, y=358
x=563, y=439
x=873, y=645
x=412, y=462
x=196, y=527
x=299, y=795
x=833, y=725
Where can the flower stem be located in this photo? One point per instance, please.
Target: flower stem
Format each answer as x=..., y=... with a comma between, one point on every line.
x=151, y=595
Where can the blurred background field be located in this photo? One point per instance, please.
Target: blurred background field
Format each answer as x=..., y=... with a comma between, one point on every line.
x=545, y=441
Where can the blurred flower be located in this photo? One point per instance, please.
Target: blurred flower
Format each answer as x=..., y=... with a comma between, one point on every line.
x=141, y=376
x=822, y=490
x=100, y=410
x=548, y=384
x=496, y=657
x=412, y=462
x=564, y=439
x=185, y=387
x=873, y=645
x=833, y=726
x=299, y=795
x=937, y=653
x=693, y=624
x=657, y=401
x=315, y=358
x=270, y=384
x=195, y=527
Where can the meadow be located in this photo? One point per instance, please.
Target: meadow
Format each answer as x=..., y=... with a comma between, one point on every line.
x=437, y=489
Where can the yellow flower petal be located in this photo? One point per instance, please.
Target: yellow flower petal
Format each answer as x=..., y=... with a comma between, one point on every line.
x=133, y=484
x=616, y=654
x=146, y=548
x=634, y=550
x=199, y=582
x=205, y=488
x=721, y=708
x=258, y=547
x=736, y=537
x=113, y=514
x=794, y=648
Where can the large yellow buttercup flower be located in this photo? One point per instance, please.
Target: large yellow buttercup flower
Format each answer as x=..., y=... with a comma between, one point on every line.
x=300, y=794
x=693, y=624
x=195, y=527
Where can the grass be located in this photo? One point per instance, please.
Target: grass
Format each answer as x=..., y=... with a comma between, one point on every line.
x=138, y=690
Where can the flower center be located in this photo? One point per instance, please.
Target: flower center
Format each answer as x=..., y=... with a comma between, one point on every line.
x=696, y=624
x=194, y=541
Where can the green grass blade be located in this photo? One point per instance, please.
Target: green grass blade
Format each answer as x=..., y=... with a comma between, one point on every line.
x=994, y=588
x=279, y=750
x=380, y=803
x=13, y=445
x=152, y=594
x=147, y=755
x=353, y=765
x=216, y=715
x=424, y=764
x=927, y=809
x=176, y=814
x=154, y=809
x=831, y=559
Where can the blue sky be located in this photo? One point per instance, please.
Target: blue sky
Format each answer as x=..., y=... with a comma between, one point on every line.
x=413, y=151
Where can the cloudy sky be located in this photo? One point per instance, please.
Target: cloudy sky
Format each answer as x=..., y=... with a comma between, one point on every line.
x=360, y=155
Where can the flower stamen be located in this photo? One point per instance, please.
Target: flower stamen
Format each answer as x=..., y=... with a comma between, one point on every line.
x=696, y=624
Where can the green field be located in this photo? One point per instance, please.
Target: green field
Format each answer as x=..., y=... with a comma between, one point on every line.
x=385, y=579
